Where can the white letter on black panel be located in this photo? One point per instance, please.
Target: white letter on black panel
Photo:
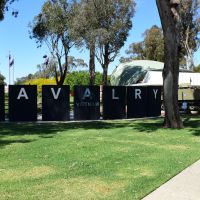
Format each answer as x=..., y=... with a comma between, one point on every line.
x=23, y=94
x=138, y=93
x=87, y=94
x=113, y=94
x=55, y=95
x=155, y=93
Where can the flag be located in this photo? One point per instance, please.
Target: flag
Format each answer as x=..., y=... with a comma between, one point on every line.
x=11, y=61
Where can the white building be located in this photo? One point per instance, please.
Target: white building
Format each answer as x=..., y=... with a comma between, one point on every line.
x=146, y=72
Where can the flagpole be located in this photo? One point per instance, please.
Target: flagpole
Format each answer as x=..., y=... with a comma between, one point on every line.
x=9, y=75
x=13, y=74
x=9, y=67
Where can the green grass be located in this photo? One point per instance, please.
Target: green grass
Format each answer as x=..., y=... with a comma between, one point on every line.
x=98, y=160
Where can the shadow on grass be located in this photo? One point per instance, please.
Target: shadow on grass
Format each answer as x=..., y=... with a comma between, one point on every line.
x=193, y=124
x=49, y=130
x=149, y=127
x=24, y=128
x=8, y=142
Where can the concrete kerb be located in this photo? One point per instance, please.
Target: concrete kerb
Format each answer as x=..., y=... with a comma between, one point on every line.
x=184, y=186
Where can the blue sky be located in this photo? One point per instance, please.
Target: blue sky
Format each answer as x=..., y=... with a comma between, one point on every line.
x=14, y=37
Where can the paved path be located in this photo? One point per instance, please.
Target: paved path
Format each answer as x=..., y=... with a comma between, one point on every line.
x=184, y=186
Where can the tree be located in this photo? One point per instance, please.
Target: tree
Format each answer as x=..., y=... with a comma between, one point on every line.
x=197, y=68
x=151, y=48
x=2, y=79
x=81, y=78
x=45, y=70
x=114, y=22
x=190, y=29
x=52, y=27
x=136, y=51
x=84, y=25
x=103, y=25
x=4, y=6
x=22, y=80
x=170, y=20
x=76, y=64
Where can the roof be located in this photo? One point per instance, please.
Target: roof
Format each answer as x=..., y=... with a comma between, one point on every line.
x=131, y=72
x=148, y=72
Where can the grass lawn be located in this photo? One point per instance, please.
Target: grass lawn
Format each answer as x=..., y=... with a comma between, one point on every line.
x=99, y=160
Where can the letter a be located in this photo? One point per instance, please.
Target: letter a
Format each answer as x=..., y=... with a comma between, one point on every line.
x=55, y=95
x=87, y=94
x=23, y=94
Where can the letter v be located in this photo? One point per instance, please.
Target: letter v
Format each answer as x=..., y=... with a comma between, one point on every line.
x=55, y=95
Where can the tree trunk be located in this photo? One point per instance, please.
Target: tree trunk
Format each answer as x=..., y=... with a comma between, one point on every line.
x=61, y=81
x=62, y=70
x=171, y=67
x=92, y=65
x=60, y=78
x=105, y=75
x=56, y=76
x=189, y=60
x=63, y=76
x=105, y=65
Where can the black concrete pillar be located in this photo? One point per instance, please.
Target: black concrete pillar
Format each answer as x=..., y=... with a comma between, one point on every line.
x=154, y=101
x=2, y=103
x=55, y=103
x=23, y=102
x=136, y=102
x=86, y=102
x=114, y=102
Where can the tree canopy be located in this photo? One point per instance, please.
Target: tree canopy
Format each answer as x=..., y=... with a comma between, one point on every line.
x=2, y=79
x=4, y=6
x=151, y=48
x=190, y=29
x=52, y=27
x=104, y=27
x=197, y=68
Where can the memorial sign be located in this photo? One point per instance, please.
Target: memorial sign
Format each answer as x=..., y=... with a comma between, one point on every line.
x=114, y=102
x=55, y=103
x=141, y=101
x=86, y=102
x=23, y=102
x=2, y=103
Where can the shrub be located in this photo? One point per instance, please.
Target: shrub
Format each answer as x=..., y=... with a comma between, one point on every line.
x=39, y=82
